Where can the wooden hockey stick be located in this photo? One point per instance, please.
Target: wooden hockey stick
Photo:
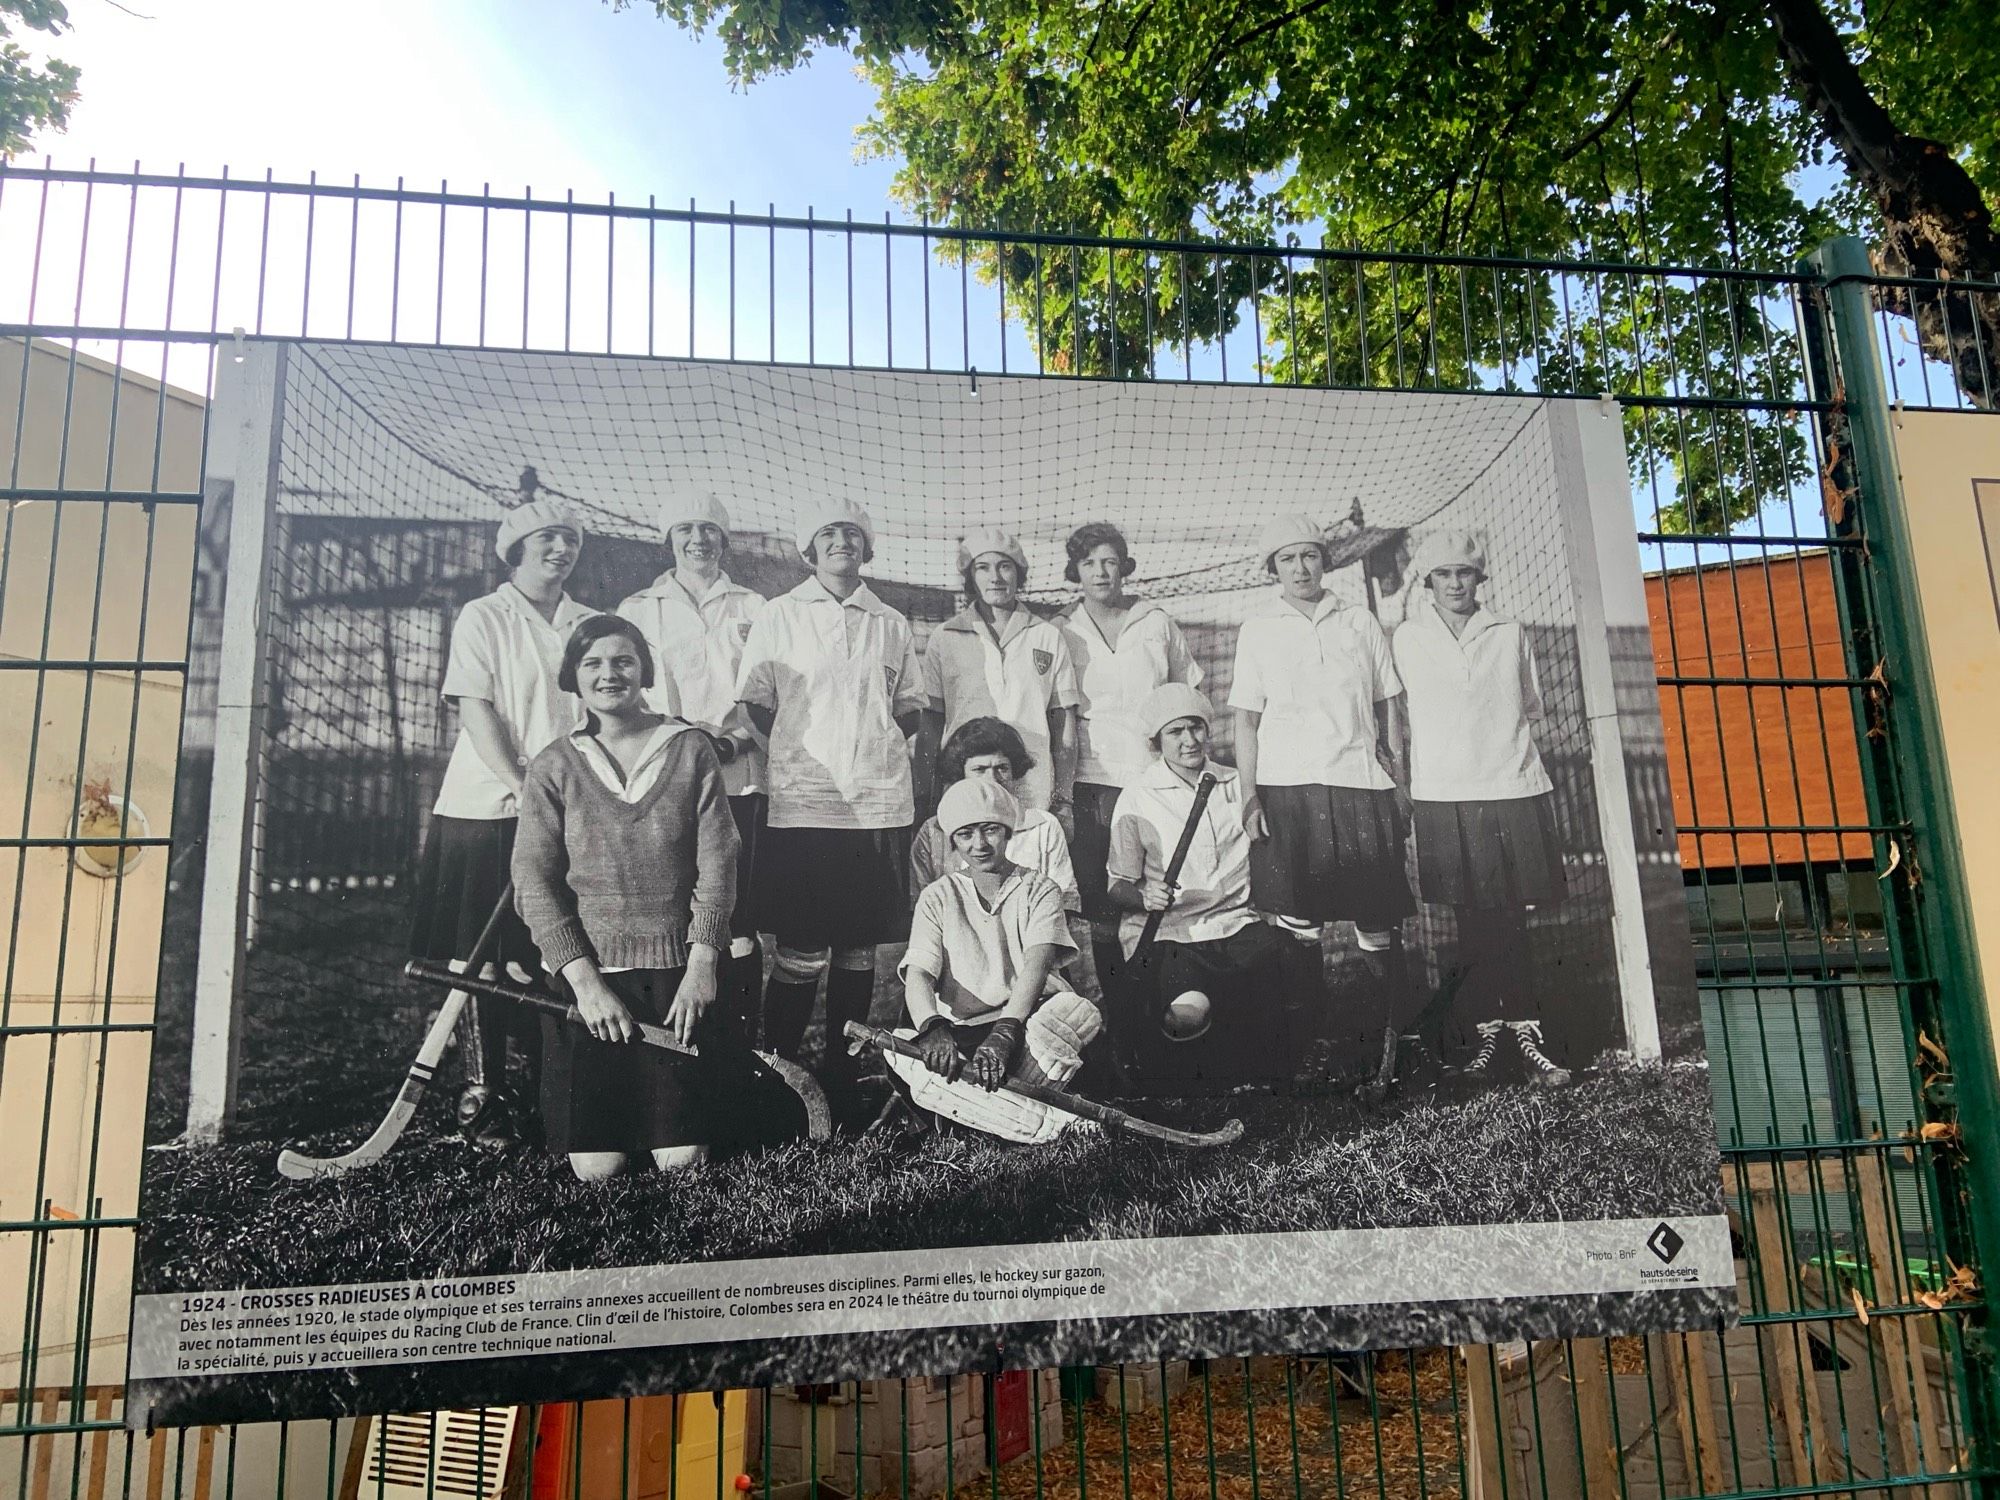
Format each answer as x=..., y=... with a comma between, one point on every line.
x=1142, y=951
x=301, y=1168
x=1107, y=1115
x=819, y=1120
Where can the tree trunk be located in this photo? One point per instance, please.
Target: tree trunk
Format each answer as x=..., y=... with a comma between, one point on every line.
x=1936, y=224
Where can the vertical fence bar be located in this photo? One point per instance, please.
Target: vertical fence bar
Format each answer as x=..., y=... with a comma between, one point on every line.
x=1905, y=776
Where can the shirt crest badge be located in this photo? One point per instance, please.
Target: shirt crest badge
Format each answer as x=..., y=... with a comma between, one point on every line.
x=1043, y=661
x=742, y=630
x=889, y=680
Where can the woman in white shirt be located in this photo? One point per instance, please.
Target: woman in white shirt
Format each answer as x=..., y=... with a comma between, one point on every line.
x=1122, y=648
x=506, y=651
x=1210, y=939
x=1312, y=691
x=997, y=658
x=696, y=619
x=829, y=678
x=1482, y=801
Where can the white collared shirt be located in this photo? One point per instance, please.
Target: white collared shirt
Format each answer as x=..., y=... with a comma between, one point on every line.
x=1114, y=679
x=1018, y=675
x=1471, y=700
x=976, y=951
x=632, y=785
x=835, y=674
x=1316, y=683
x=1038, y=845
x=700, y=648
x=504, y=653
x=1213, y=896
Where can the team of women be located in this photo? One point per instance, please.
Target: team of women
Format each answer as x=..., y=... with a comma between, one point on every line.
x=639, y=795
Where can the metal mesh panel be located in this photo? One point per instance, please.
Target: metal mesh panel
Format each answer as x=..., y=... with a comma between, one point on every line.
x=1820, y=978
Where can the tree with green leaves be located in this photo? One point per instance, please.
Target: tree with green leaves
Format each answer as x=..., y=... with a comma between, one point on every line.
x=33, y=95
x=1683, y=132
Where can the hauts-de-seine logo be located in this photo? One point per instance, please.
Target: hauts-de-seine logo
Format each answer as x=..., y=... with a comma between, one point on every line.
x=1664, y=1243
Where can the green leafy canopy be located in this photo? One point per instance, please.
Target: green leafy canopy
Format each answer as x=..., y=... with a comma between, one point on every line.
x=33, y=95
x=1666, y=131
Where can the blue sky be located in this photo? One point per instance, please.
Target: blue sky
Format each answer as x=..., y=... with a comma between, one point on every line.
x=557, y=94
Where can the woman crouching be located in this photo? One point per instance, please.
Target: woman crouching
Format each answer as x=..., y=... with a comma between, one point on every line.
x=625, y=872
x=980, y=978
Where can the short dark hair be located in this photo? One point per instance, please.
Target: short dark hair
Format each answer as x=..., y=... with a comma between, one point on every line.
x=972, y=594
x=1325, y=557
x=588, y=634
x=1087, y=538
x=982, y=736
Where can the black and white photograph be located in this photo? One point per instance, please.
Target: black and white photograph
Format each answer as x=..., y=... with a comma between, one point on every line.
x=694, y=875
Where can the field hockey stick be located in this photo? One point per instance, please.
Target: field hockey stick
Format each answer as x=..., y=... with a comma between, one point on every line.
x=300, y=1167
x=819, y=1119
x=1109, y=1116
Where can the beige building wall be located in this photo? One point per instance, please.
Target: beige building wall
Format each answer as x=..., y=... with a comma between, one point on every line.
x=1950, y=465
x=82, y=579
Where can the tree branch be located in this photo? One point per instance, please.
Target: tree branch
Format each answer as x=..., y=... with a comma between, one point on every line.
x=1935, y=221
x=1596, y=132
x=1223, y=49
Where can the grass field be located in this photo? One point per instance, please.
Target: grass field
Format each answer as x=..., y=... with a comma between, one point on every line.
x=1620, y=1143
x=332, y=1027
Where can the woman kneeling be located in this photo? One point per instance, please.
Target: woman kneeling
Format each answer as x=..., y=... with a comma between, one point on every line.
x=986, y=940
x=625, y=872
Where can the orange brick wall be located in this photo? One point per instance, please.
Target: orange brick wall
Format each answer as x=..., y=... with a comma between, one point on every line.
x=1757, y=755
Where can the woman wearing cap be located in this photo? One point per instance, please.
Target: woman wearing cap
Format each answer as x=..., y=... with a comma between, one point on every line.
x=1122, y=648
x=981, y=977
x=1312, y=693
x=829, y=677
x=995, y=658
x=625, y=871
x=506, y=650
x=1210, y=938
x=987, y=749
x=696, y=619
x=1481, y=799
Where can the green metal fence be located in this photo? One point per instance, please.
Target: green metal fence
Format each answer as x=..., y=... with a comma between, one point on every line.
x=1853, y=1070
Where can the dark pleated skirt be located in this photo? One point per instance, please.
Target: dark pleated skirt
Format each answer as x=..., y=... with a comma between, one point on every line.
x=834, y=887
x=1489, y=854
x=466, y=865
x=1249, y=978
x=1090, y=849
x=1335, y=854
x=631, y=1097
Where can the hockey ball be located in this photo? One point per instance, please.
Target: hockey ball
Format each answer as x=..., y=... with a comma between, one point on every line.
x=1187, y=1015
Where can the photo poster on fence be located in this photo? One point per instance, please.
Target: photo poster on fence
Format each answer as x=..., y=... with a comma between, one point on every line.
x=704, y=874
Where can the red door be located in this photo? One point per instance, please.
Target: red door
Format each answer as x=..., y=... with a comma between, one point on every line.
x=1011, y=1419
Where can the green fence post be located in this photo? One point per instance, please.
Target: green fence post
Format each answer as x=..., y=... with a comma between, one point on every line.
x=1905, y=774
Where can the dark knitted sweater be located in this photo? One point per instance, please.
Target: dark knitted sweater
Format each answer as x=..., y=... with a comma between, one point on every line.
x=629, y=884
